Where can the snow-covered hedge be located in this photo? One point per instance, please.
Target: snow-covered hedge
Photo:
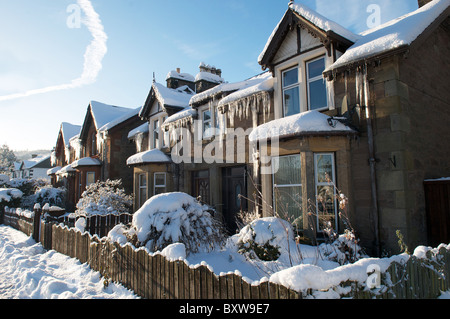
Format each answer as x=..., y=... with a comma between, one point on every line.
x=10, y=197
x=173, y=218
x=103, y=198
x=265, y=238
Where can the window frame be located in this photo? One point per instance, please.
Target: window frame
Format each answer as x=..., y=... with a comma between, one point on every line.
x=87, y=178
x=278, y=186
x=332, y=184
x=289, y=87
x=309, y=80
x=155, y=186
x=142, y=187
x=210, y=121
x=156, y=132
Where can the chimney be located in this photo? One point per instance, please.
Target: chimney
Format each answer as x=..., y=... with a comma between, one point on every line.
x=178, y=70
x=423, y=2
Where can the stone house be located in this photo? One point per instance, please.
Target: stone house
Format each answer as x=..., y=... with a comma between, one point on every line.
x=98, y=151
x=363, y=132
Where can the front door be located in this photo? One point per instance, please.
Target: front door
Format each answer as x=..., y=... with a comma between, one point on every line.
x=234, y=185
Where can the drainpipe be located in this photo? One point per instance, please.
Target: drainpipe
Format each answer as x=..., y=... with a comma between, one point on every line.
x=372, y=163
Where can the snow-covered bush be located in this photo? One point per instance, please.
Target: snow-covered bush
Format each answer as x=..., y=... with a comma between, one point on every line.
x=10, y=197
x=265, y=238
x=103, y=198
x=45, y=195
x=176, y=218
x=344, y=249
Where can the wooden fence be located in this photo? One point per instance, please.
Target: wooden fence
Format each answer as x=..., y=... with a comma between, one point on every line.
x=153, y=276
x=100, y=225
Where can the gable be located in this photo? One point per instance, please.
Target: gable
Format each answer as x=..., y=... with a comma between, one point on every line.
x=297, y=41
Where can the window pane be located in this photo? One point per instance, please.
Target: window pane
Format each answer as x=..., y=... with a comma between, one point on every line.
x=288, y=204
x=290, y=77
x=317, y=95
x=316, y=68
x=206, y=116
x=326, y=210
x=291, y=101
x=289, y=170
x=142, y=196
x=324, y=168
x=142, y=180
x=90, y=178
x=160, y=180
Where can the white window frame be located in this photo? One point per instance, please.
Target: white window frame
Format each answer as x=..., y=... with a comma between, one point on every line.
x=315, y=79
x=331, y=183
x=156, y=131
x=291, y=86
x=165, y=141
x=282, y=185
x=205, y=134
x=155, y=186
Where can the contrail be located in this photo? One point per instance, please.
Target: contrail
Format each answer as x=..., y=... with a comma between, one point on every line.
x=93, y=56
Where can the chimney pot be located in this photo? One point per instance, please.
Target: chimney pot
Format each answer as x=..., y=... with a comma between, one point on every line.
x=178, y=70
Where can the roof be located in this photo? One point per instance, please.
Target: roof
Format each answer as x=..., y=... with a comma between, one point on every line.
x=395, y=34
x=303, y=124
x=262, y=83
x=142, y=129
x=38, y=162
x=152, y=156
x=204, y=96
x=86, y=161
x=181, y=76
x=168, y=98
x=120, y=119
x=68, y=131
x=103, y=114
x=325, y=29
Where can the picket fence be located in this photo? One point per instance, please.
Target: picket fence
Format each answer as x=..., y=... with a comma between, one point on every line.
x=152, y=276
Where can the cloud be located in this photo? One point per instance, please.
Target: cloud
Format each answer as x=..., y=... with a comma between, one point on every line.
x=93, y=56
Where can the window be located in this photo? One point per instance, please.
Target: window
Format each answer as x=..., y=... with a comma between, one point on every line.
x=165, y=134
x=94, y=144
x=159, y=186
x=90, y=178
x=325, y=179
x=142, y=192
x=156, y=134
x=287, y=188
x=291, y=92
x=317, y=91
x=206, y=129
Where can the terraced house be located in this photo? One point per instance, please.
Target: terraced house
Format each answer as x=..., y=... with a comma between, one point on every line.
x=334, y=115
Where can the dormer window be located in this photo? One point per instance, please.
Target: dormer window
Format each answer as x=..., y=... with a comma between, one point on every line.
x=317, y=91
x=291, y=92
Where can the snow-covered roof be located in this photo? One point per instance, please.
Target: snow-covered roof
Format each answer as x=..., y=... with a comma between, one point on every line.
x=144, y=128
x=68, y=131
x=53, y=170
x=207, y=76
x=65, y=170
x=86, y=161
x=120, y=119
x=393, y=34
x=104, y=113
x=28, y=164
x=262, y=83
x=178, y=97
x=225, y=88
x=306, y=123
x=314, y=18
x=152, y=156
x=181, y=115
x=180, y=76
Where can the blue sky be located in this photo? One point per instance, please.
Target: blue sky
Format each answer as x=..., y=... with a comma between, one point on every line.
x=39, y=50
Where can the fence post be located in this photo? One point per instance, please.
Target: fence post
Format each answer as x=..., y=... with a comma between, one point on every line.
x=37, y=222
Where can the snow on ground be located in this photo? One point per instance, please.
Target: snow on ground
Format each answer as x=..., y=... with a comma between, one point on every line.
x=28, y=271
